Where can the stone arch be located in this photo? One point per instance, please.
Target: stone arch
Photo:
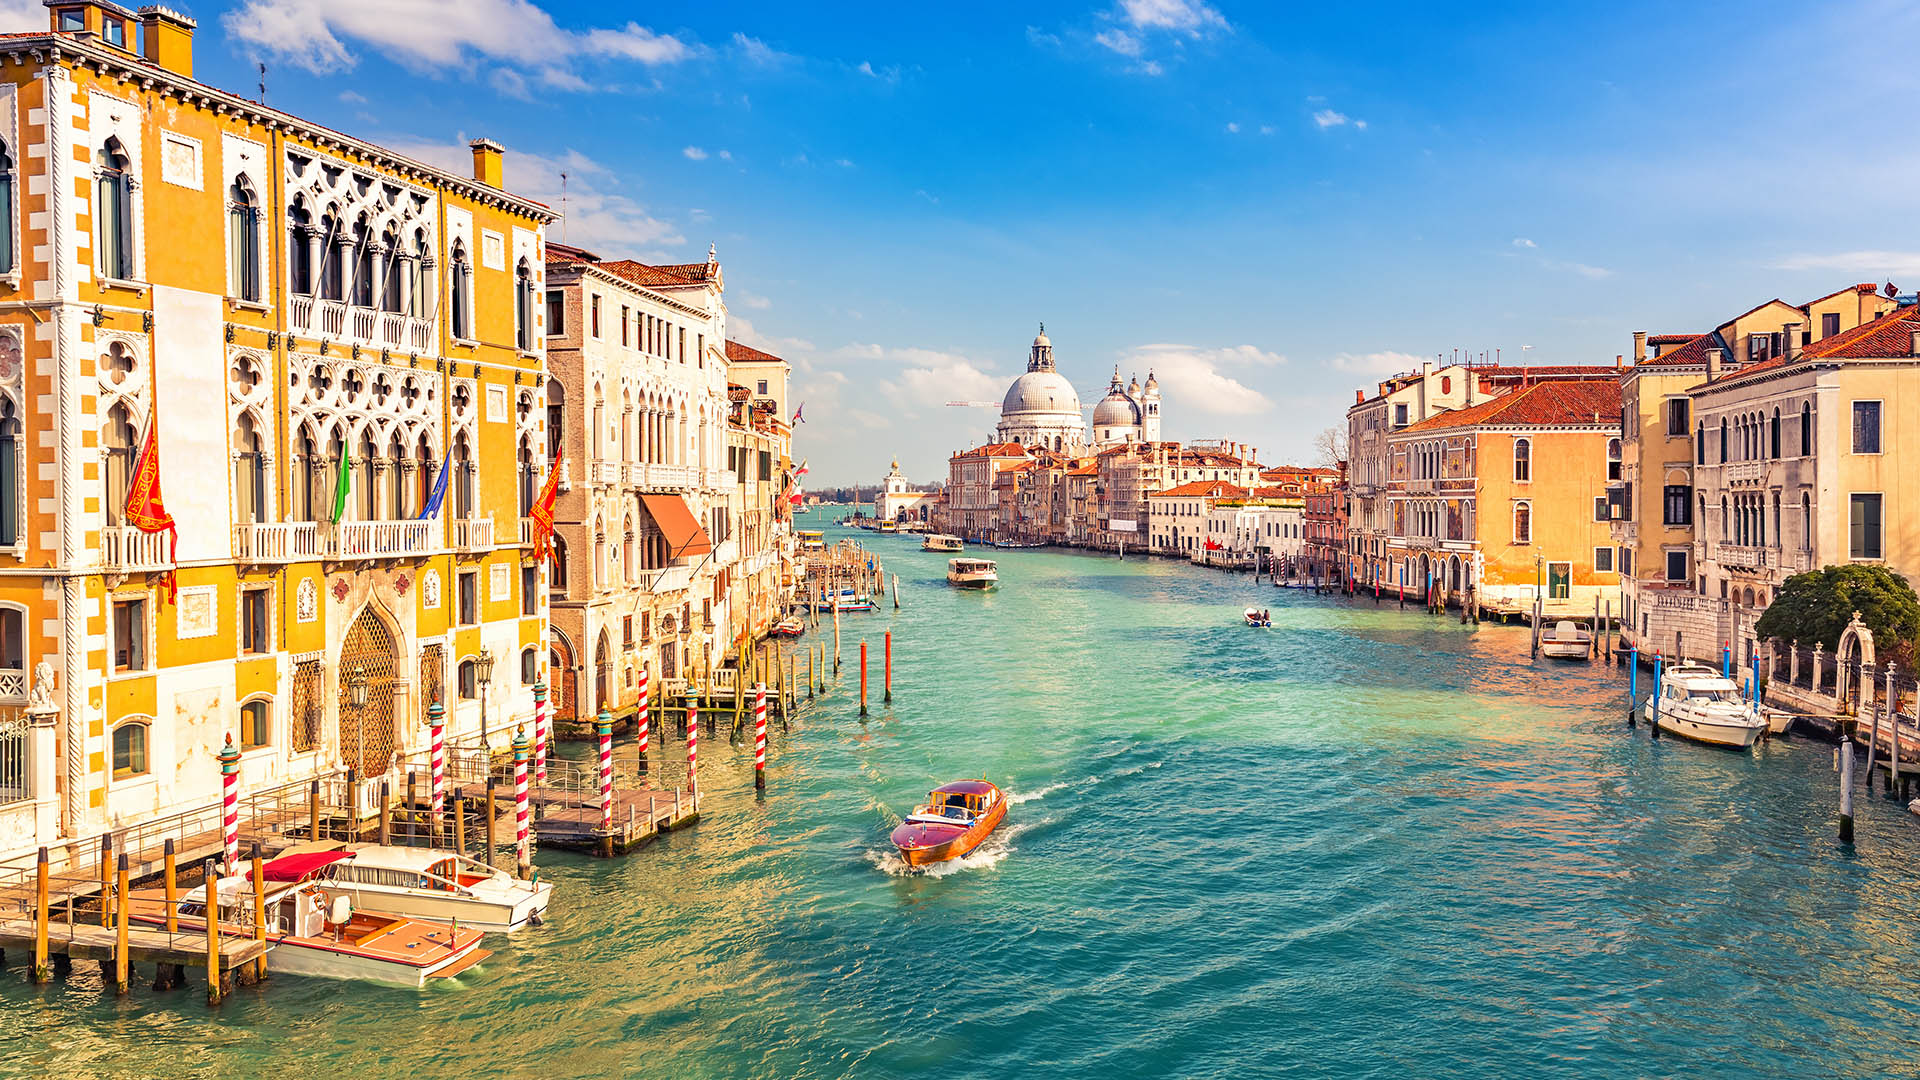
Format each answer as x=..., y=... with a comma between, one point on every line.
x=1856, y=646
x=562, y=677
x=371, y=650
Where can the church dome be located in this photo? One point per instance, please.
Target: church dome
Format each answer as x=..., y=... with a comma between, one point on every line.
x=1041, y=392
x=1116, y=409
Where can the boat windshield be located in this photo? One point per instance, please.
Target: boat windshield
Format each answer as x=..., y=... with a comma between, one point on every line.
x=1727, y=694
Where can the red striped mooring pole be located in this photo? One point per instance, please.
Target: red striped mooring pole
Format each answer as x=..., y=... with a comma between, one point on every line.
x=437, y=724
x=693, y=742
x=887, y=695
x=863, y=678
x=760, y=736
x=604, y=728
x=230, y=804
x=540, y=735
x=523, y=858
x=640, y=718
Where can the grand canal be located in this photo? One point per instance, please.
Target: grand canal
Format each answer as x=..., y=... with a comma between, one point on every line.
x=1364, y=843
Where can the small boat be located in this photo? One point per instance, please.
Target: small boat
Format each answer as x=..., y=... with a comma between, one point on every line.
x=889, y=527
x=940, y=542
x=789, y=627
x=1257, y=617
x=418, y=882
x=972, y=573
x=953, y=821
x=1018, y=545
x=1696, y=702
x=1778, y=720
x=324, y=937
x=847, y=600
x=811, y=539
x=1567, y=640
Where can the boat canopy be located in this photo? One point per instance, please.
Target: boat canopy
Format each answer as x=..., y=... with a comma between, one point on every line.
x=964, y=787
x=297, y=867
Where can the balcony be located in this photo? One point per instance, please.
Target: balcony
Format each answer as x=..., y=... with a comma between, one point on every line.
x=526, y=532
x=472, y=534
x=1744, y=472
x=281, y=541
x=382, y=539
x=659, y=477
x=1743, y=555
x=604, y=473
x=671, y=579
x=359, y=325
x=126, y=549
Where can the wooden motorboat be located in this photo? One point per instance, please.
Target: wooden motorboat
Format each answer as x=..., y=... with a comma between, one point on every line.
x=973, y=573
x=418, y=882
x=940, y=542
x=1257, y=617
x=1696, y=702
x=789, y=627
x=847, y=600
x=1567, y=640
x=324, y=937
x=953, y=821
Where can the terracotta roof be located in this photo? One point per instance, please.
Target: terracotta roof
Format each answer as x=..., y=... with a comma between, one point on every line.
x=1883, y=338
x=641, y=274
x=1694, y=352
x=1084, y=470
x=747, y=354
x=699, y=272
x=1670, y=339
x=1502, y=373
x=1548, y=404
x=1272, y=492
x=1218, y=489
x=1754, y=308
x=1005, y=449
x=1863, y=287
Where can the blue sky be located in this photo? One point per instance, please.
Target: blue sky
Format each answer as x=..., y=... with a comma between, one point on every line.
x=1270, y=204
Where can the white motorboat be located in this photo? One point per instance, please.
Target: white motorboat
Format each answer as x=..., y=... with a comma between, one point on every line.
x=327, y=938
x=1696, y=702
x=972, y=573
x=940, y=542
x=1567, y=640
x=1778, y=720
x=1257, y=617
x=419, y=882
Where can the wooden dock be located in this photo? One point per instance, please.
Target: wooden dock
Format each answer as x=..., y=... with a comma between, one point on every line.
x=84, y=941
x=563, y=819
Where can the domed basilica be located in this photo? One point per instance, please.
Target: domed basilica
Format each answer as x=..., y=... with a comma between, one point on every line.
x=1041, y=408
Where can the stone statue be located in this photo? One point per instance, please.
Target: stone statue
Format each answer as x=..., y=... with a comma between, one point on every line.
x=40, y=699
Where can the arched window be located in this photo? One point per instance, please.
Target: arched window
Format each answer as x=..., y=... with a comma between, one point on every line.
x=394, y=480
x=460, y=284
x=394, y=275
x=6, y=207
x=1723, y=439
x=255, y=724
x=1700, y=444
x=1776, y=519
x=243, y=241
x=419, y=276
x=249, y=472
x=362, y=264
x=467, y=681
x=1523, y=523
x=529, y=476
x=1613, y=459
x=130, y=748
x=462, y=477
x=113, y=211
x=523, y=306
x=1806, y=522
x=119, y=439
x=1806, y=429
x=529, y=666
x=1522, y=460
x=365, y=476
x=599, y=557
x=10, y=447
x=1774, y=434
x=300, y=250
x=1726, y=520
x=304, y=462
x=557, y=569
x=426, y=473
x=556, y=416
x=626, y=548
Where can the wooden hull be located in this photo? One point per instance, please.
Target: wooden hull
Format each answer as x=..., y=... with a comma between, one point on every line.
x=959, y=845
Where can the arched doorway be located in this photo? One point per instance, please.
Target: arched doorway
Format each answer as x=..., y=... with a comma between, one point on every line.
x=562, y=690
x=1453, y=573
x=366, y=732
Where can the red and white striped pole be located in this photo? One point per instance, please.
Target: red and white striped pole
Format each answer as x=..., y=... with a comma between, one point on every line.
x=760, y=736
x=604, y=728
x=230, y=805
x=640, y=718
x=541, y=733
x=437, y=724
x=693, y=743
x=522, y=856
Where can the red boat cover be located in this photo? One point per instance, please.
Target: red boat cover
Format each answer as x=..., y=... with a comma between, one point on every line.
x=297, y=867
x=965, y=787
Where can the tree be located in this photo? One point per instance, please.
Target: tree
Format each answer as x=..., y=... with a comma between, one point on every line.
x=1330, y=447
x=1817, y=605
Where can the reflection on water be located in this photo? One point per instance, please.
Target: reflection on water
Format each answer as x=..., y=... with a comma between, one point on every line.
x=1365, y=842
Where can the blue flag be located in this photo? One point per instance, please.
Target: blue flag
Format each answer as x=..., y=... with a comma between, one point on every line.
x=439, y=495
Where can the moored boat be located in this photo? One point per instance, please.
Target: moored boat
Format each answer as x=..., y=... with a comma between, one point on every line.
x=1567, y=640
x=847, y=600
x=953, y=821
x=1257, y=617
x=940, y=542
x=418, y=882
x=973, y=573
x=1698, y=703
x=789, y=627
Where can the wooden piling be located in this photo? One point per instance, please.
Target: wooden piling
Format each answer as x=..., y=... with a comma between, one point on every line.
x=313, y=811
x=386, y=814
x=106, y=880
x=490, y=817
x=460, y=825
x=896, y=592
x=171, y=872
x=810, y=671
x=122, y=961
x=1846, y=791
x=413, y=794
x=214, y=986
x=836, y=637
x=887, y=695
x=42, y=971
x=863, y=677
x=259, y=910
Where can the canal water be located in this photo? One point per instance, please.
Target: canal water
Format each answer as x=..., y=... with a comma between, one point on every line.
x=1364, y=843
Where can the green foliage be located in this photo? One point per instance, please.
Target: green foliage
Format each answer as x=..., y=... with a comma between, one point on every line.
x=1816, y=606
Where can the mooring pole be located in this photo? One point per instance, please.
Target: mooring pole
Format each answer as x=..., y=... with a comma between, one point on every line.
x=1846, y=790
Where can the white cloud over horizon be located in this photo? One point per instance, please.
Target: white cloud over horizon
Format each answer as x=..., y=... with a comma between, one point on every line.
x=1205, y=380
x=1857, y=265
x=1385, y=362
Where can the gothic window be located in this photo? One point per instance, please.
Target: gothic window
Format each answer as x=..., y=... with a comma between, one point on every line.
x=556, y=416
x=1806, y=429
x=113, y=210
x=1522, y=460
x=1613, y=459
x=6, y=208
x=365, y=476
x=557, y=576
x=523, y=306
x=462, y=477
x=1773, y=435
x=528, y=476
x=249, y=472
x=331, y=279
x=362, y=264
x=10, y=453
x=425, y=474
x=119, y=441
x=299, y=251
x=304, y=464
x=243, y=241
x=395, y=479
x=419, y=281
x=461, y=286
x=626, y=548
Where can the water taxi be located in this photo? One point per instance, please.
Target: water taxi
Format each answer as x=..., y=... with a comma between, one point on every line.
x=326, y=938
x=1696, y=702
x=941, y=542
x=1257, y=617
x=954, y=820
x=972, y=573
x=418, y=882
x=811, y=539
x=1567, y=640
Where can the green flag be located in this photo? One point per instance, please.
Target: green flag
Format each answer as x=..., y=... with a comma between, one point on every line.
x=341, y=485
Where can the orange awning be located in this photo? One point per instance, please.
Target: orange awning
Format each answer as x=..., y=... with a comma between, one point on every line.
x=684, y=535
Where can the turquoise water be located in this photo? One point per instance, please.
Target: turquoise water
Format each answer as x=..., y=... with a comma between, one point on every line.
x=1364, y=843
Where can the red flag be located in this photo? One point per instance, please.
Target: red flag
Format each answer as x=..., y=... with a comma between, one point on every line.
x=1213, y=545
x=146, y=510
x=542, y=511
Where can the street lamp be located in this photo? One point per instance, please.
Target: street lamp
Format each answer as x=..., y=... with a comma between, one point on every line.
x=483, y=670
x=357, y=696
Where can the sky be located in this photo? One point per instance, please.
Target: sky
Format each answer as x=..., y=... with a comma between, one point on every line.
x=1268, y=205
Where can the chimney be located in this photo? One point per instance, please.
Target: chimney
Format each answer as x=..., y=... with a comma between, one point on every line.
x=488, y=157
x=1793, y=338
x=166, y=38
x=1639, y=345
x=1618, y=361
x=1359, y=396
x=1714, y=357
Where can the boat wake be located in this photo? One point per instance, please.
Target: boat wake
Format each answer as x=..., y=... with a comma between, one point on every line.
x=985, y=857
x=1015, y=798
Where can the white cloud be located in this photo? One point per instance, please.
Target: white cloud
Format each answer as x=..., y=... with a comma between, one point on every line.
x=1119, y=41
x=430, y=34
x=694, y=153
x=1233, y=128
x=1151, y=67
x=22, y=16
x=1204, y=380
x=1266, y=129
x=352, y=98
x=1185, y=16
x=845, y=163
x=757, y=52
x=510, y=83
x=726, y=155
x=1376, y=363
x=753, y=300
x=930, y=378
x=1327, y=118
x=1582, y=269
x=1857, y=265
x=1360, y=125
x=1523, y=242
x=598, y=216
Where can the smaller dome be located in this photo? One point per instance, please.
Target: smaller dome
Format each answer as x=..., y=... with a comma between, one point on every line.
x=1133, y=386
x=1153, y=384
x=1040, y=339
x=1116, y=409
